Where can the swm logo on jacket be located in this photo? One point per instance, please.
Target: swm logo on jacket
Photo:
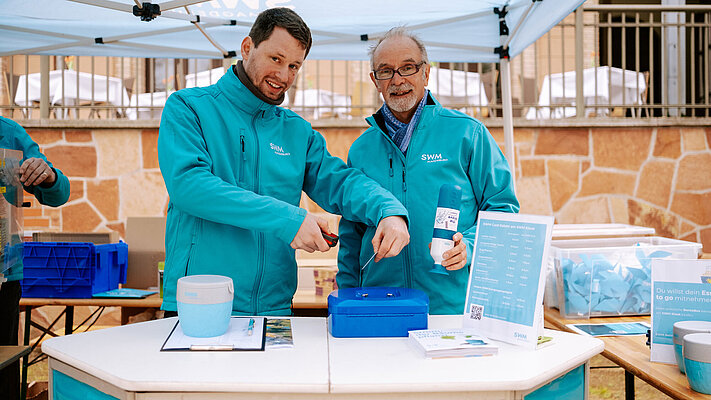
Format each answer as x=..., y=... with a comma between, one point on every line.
x=434, y=157
x=278, y=150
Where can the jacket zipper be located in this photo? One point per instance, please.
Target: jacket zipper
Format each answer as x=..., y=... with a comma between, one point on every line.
x=243, y=164
x=406, y=256
x=260, y=236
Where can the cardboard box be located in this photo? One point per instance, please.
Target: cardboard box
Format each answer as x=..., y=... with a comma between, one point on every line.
x=87, y=237
x=146, y=247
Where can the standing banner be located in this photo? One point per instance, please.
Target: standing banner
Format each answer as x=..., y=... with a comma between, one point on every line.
x=506, y=282
x=681, y=292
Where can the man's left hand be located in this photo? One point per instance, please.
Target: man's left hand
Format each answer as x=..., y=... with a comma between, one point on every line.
x=390, y=237
x=456, y=257
x=35, y=171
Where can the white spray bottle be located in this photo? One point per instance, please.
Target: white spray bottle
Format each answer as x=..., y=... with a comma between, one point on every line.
x=445, y=224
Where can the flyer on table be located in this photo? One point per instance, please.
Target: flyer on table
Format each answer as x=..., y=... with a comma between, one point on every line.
x=507, y=277
x=681, y=292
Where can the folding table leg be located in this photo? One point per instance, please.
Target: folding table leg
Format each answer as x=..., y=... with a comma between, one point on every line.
x=629, y=386
x=26, y=358
x=69, y=320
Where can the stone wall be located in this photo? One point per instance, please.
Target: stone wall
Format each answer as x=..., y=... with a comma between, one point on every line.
x=113, y=173
x=653, y=176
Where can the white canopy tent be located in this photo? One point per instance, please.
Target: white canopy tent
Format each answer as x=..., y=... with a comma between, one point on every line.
x=452, y=30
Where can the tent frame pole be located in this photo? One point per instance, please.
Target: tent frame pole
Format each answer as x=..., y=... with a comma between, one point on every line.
x=508, y=117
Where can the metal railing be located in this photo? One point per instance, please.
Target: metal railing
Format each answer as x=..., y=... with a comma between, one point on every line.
x=635, y=61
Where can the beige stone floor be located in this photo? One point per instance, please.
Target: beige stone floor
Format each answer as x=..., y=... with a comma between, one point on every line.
x=607, y=382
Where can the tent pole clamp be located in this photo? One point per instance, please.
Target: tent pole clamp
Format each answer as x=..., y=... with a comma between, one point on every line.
x=503, y=28
x=147, y=12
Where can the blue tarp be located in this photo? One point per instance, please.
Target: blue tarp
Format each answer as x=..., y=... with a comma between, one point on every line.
x=453, y=30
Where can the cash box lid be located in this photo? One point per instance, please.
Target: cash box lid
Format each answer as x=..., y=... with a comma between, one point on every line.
x=378, y=300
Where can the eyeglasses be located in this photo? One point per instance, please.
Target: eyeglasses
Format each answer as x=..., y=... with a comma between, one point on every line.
x=405, y=70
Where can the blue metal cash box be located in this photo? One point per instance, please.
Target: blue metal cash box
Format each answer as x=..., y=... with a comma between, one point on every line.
x=376, y=311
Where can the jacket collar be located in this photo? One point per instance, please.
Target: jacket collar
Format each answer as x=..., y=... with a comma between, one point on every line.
x=240, y=95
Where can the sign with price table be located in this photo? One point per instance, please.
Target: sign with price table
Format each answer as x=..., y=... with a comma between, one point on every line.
x=506, y=278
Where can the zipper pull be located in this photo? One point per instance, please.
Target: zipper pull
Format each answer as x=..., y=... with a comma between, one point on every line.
x=390, y=157
x=241, y=141
x=404, y=185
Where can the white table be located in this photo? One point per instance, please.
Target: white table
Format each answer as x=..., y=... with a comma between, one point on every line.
x=370, y=366
x=318, y=103
x=457, y=87
x=147, y=105
x=125, y=362
x=204, y=78
x=64, y=91
x=603, y=87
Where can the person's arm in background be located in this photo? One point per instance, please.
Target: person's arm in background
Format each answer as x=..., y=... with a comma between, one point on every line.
x=350, y=238
x=340, y=189
x=186, y=167
x=490, y=177
x=37, y=175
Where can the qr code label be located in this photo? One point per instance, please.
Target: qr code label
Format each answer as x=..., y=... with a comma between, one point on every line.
x=476, y=312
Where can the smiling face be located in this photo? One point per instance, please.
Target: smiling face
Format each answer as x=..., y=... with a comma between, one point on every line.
x=272, y=66
x=401, y=94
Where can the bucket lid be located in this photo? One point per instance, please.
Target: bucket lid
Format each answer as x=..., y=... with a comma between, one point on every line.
x=205, y=289
x=697, y=347
x=683, y=328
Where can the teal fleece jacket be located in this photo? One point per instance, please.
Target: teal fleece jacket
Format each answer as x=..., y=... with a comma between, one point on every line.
x=14, y=137
x=235, y=168
x=447, y=146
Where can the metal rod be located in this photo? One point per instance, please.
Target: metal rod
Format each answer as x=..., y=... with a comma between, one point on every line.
x=705, y=34
x=520, y=22
x=108, y=75
x=692, y=69
x=644, y=7
x=609, y=60
x=508, y=117
x=579, y=95
x=650, y=82
x=636, y=62
x=623, y=50
x=44, y=87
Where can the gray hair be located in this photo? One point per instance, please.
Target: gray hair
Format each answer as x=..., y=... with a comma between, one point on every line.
x=400, y=31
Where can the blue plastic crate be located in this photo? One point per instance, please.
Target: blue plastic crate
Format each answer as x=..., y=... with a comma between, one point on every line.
x=72, y=270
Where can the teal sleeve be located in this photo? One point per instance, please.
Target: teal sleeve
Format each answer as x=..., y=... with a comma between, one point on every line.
x=55, y=195
x=186, y=167
x=490, y=176
x=340, y=189
x=350, y=238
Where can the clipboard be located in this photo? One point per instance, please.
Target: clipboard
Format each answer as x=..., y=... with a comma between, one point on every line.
x=237, y=337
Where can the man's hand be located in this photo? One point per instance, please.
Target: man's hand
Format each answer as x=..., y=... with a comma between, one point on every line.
x=456, y=257
x=35, y=171
x=309, y=236
x=390, y=237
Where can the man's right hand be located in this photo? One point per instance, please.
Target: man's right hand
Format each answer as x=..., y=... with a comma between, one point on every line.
x=309, y=236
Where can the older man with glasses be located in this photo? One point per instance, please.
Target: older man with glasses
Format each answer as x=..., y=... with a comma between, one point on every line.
x=413, y=146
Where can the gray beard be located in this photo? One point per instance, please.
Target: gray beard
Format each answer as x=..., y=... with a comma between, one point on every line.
x=402, y=104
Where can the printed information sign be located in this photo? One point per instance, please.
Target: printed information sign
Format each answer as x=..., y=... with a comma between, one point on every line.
x=681, y=291
x=506, y=281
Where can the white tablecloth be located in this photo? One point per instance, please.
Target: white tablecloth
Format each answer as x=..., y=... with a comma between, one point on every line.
x=318, y=103
x=457, y=87
x=147, y=105
x=204, y=78
x=611, y=84
x=64, y=91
